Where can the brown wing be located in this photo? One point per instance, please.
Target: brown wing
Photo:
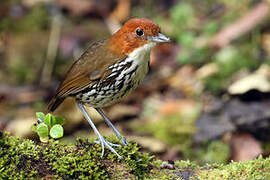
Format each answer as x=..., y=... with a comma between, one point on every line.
x=90, y=67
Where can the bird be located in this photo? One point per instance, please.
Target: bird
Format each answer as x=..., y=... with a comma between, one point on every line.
x=108, y=71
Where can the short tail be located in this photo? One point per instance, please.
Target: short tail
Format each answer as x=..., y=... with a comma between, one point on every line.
x=54, y=103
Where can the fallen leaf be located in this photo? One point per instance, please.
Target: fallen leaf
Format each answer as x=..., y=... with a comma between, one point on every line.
x=255, y=81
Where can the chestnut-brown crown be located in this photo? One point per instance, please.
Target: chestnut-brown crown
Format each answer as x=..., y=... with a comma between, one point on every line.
x=134, y=33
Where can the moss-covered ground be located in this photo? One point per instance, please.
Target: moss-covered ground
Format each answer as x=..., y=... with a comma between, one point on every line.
x=25, y=159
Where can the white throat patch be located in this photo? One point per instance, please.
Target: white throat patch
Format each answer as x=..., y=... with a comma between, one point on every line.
x=139, y=54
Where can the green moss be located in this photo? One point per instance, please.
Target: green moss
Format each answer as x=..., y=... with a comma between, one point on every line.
x=255, y=169
x=25, y=159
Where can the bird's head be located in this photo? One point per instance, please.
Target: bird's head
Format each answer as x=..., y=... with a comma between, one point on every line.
x=135, y=33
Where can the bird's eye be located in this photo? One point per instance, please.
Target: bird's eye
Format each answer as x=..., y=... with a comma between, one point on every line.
x=139, y=32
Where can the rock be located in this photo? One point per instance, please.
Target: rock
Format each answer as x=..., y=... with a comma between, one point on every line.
x=252, y=117
x=244, y=147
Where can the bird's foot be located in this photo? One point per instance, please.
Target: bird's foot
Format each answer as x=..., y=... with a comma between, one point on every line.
x=111, y=144
x=123, y=140
x=104, y=143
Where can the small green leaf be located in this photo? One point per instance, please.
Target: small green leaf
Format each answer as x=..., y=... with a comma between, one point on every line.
x=57, y=131
x=59, y=120
x=42, y=130
x=49, y=119
x=40, y=115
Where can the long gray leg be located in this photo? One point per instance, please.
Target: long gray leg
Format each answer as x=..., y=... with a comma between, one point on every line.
x=102, y=140
x=107, y=120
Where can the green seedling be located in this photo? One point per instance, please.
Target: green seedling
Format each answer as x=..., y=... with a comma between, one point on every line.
x=48, y=126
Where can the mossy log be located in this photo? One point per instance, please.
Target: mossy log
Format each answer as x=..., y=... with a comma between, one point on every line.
x=26, y=159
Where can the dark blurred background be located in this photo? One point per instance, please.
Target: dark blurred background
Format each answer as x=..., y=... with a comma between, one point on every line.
x=206, y=97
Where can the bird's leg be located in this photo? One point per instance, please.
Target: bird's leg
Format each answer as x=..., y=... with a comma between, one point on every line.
x=107, y=120
x=102, y=140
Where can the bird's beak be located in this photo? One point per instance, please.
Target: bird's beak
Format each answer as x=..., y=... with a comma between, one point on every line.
x=160, y=38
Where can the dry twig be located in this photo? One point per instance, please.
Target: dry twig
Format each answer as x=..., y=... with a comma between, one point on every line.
x=52, y=48
x=241, y=26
